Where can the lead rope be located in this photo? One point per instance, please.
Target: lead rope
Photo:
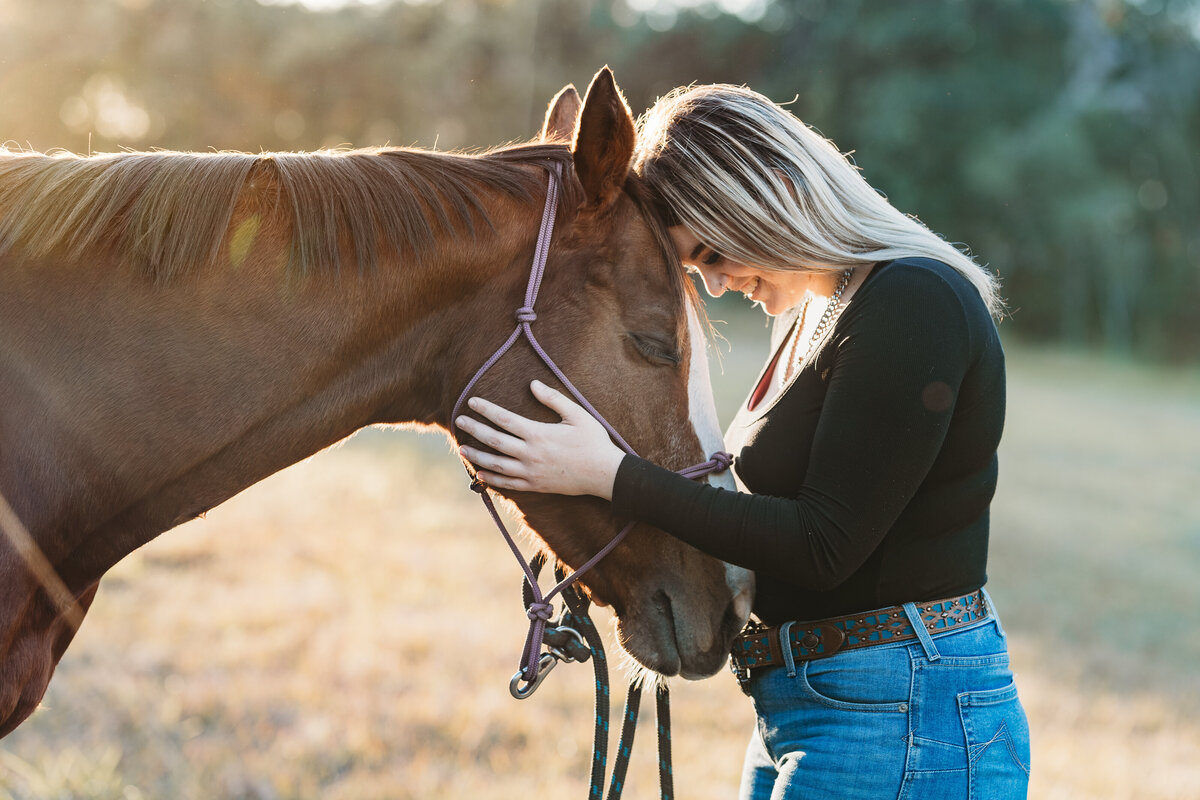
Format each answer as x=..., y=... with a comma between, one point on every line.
x=567, y=643
x=575, y=624
x=662, y=710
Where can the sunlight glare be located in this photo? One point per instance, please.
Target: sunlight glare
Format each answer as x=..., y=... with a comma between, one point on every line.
x=746, y=10
x=335, y=5
x=103, y=105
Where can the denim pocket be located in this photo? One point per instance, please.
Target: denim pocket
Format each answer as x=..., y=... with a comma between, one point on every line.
x=980, y=644
x=867, y=680
x=997, y=735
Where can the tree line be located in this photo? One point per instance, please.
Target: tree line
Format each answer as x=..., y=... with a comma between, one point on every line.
x=1059, y=138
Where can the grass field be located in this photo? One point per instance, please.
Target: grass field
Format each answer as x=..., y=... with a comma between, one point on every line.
x=346, y=629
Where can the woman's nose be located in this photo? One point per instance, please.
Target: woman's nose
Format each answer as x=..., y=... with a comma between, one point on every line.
x=715, y=283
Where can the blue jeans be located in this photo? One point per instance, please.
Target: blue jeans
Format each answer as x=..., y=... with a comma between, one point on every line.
x=938, y=718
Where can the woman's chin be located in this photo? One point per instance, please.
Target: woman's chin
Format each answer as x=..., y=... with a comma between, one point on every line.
x=770, y=308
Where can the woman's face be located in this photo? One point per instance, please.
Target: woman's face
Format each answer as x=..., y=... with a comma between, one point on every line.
x=776, y=291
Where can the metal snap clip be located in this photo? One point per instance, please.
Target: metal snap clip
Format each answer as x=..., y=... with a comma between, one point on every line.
x=545, y=664
x=567, y=644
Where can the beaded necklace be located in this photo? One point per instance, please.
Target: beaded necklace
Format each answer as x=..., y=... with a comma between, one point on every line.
x=794, y=356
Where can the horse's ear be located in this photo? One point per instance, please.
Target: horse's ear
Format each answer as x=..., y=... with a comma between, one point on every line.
x=561, y=115
x=604, y=141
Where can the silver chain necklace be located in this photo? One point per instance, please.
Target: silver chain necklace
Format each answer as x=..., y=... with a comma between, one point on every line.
x=795, y=355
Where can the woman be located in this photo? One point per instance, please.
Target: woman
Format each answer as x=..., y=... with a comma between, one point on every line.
x=867, y=450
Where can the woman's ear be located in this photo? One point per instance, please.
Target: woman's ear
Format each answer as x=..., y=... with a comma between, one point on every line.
x=604, y=140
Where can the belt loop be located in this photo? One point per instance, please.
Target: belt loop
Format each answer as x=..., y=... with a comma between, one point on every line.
x=989, y=610
x=918, y=624
x=785, y=644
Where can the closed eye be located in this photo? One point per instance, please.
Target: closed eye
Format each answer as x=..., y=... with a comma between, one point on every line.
x=712, y=258
x=656, y=350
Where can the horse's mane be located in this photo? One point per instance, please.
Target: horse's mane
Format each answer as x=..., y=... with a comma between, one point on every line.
x=168, y=212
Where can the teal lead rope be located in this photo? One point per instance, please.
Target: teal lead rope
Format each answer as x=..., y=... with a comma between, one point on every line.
x=662, y=710
x=561, y=637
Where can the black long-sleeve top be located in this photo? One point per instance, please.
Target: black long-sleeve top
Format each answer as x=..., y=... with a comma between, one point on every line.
x=867, y=478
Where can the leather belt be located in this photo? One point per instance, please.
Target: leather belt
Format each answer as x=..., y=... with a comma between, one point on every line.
x=761, y=645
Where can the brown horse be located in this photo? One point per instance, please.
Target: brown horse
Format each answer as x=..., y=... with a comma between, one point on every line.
x=175, y=327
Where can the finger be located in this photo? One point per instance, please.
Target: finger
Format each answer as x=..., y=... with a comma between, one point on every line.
x=498, y=481
x=556, y=401
x=510, y=421
x=493, y=438
x=492, y=462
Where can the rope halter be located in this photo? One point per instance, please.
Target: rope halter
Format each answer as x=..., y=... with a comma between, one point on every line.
x=540, y=610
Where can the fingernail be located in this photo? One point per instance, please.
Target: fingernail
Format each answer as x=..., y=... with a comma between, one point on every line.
x=537, y=385
x=473, y=402
x=459, y=421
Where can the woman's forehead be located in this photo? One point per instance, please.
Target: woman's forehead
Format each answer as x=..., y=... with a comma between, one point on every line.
x=687, y=243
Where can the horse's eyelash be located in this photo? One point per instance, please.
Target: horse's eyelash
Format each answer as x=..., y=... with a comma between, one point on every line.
x=656, y=349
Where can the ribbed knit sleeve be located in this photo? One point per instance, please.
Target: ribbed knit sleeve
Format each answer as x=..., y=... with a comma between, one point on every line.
x=899, y=355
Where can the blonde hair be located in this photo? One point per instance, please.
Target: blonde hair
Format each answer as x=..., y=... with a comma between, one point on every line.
x=759, y=186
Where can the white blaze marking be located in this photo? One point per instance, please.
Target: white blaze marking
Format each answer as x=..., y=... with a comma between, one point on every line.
x=702, y=410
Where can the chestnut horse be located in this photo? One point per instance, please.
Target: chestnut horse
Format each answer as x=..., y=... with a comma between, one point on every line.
x=176, y=326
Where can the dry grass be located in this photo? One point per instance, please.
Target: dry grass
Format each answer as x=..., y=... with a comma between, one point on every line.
x=346, y=629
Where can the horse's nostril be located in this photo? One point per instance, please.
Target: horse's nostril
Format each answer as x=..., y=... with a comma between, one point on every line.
x=662, y=602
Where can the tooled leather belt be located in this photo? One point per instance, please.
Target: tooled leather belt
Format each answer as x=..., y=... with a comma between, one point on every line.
x=761, y=645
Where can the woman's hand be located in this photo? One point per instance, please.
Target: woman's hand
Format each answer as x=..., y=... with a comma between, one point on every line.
x=575, y=456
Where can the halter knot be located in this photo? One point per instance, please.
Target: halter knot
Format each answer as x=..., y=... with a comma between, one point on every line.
x=542, y=611
x=478, y=486
x=526, y=314
x=721, y=461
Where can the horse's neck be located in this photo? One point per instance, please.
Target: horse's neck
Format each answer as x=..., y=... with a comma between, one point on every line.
x=156, y=404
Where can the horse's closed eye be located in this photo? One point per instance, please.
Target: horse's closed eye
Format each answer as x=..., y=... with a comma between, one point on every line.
x=655, y=350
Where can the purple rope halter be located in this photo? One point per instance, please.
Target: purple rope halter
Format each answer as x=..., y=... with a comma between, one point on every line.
x=541, y=610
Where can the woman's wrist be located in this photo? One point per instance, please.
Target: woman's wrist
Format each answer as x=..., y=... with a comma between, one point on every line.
x=605, y=477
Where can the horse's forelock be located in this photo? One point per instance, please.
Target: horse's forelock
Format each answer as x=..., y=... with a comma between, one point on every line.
x=648, y=207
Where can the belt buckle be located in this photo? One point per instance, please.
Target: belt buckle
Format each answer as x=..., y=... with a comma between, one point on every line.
x=739, y=666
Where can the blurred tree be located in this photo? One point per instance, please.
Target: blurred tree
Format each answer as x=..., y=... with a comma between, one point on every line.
x=1058, y=137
